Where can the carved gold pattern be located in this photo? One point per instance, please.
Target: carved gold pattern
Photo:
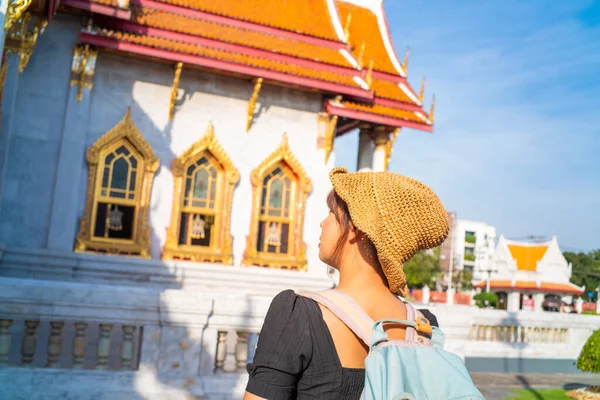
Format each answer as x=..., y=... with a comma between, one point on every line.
x=82, y=68
x=301, y=187
x=405, y=62
x=174, y=88
x=220, y=249
x=22, y=37
x=328, y=140
x=125, y=132
x=14, y=12
x=389, y=148
x=252, y=103
x=432, y=110
x=422, y=91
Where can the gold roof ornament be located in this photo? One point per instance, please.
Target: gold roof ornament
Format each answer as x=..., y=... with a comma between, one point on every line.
x=252, y=103
x=361, y=54
x=405, y=62
x=347, y=27
x=422, y=91
x=431, y=110
x=369, y=77
x=174, y=88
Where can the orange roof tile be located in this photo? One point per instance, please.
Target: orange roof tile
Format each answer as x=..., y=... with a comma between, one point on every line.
x=527, y=257
x=390, y=90
x=245, y=37
x=531, y=285
x=365, y=28
x=302, y=16
x=383, y=110
x=237, y=58
x=110, y=3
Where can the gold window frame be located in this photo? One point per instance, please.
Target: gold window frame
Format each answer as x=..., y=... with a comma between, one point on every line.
x=301, y=188
x=125, y=132
x=221, y=246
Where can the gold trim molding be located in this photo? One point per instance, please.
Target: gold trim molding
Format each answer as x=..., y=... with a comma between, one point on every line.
x=124, y=131
x=389, y=147
x=22, y=37
x=252, y=103
x=174, y=88
x=296, y=257
x=83, y=68
x=221, y=250
x=14, y=12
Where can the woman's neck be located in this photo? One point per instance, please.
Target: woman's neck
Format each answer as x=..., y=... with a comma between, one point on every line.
x=356, y=274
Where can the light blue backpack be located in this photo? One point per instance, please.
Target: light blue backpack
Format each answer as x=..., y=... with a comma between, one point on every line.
x=416, y=368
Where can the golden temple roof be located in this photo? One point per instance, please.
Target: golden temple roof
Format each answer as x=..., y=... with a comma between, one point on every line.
x=307, y=17
x=527, y=257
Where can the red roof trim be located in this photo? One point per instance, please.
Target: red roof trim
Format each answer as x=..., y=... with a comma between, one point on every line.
x=98, y=8
x=235, y=48
x=398, y=104
x=375, y=118
x=110, y=43
x=239, y=23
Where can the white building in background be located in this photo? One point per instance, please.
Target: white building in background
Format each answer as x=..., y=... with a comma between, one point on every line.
x=530, y=276
x=473, y=246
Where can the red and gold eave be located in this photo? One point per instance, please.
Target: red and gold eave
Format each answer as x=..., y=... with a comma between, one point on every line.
x=293, y=43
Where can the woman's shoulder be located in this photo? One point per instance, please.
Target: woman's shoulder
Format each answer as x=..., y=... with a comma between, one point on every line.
x=290, y=303
x=430, y=316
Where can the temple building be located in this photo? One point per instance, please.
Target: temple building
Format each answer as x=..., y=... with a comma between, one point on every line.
x=529, y=276
x=180, y=149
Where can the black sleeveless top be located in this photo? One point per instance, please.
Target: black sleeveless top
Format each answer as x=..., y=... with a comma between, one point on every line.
x=296, y=357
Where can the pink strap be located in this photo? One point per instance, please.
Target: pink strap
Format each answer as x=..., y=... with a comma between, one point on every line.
x=346, y=309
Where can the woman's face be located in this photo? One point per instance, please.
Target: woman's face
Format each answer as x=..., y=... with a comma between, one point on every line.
x=330, y=234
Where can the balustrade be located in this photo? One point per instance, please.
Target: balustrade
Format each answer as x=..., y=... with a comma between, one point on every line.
x=33, y=333
x=519, y=334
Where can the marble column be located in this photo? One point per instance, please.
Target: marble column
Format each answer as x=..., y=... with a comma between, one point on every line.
x=513, y=302
x=538, y=299
x=381, y=138
x=71, y=161
x=9, y=100
x=365, y=149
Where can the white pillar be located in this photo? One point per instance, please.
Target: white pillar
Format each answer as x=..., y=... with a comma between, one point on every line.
x=579, y=305
x=450, y=296
x=538, y=299
x=380, y=138
x=513, y=301
x=365, y=149
x=426, y=295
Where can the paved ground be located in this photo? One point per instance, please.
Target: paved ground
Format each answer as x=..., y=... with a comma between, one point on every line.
x=497, y=386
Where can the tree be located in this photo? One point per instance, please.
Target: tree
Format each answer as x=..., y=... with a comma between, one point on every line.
x=486, y=300
x=423, y=269
x=589, y=359
x=586, y=271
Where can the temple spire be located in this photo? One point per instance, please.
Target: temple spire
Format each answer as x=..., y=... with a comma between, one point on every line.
x=422, y=91
x=432, y=109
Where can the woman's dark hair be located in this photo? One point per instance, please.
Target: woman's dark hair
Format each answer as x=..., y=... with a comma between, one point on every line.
x=342, y=215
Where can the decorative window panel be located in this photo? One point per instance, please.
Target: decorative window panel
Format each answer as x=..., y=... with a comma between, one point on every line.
x=280, y=188
x=121, y=167
x=200, y=223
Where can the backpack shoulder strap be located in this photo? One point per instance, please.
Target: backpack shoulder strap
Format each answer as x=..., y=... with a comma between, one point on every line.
x=412, y=332
x=347, y=310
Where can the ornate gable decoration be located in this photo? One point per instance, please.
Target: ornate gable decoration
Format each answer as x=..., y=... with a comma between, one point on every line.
x=200, y=222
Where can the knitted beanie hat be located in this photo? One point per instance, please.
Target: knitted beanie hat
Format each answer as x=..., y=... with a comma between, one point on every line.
x=400, y=215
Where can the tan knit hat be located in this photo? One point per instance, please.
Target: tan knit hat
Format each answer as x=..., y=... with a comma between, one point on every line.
x=399, y=214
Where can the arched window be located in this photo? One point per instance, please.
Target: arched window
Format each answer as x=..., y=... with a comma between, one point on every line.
x=280, y=188
x=121, y=167
x=204, y=181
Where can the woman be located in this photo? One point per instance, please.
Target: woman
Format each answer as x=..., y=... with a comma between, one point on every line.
x=376, y=222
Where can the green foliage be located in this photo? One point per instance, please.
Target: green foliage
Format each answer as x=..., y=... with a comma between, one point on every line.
x=586, y=270
x=470, y=257
x=470, y=239
x=423, y=269
x=463, y=280
x=486, y=299
x=589, y=313
x=589, y=359
x=542, y=394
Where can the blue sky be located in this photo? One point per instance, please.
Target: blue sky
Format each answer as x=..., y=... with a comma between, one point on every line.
x=517, y=131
